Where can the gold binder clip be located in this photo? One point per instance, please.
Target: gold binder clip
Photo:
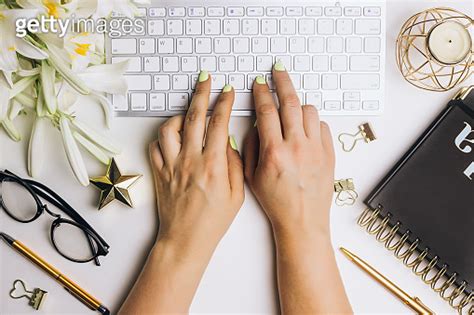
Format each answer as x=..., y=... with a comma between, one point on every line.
x=365, y=133
x=36, y=297
x=346, y=194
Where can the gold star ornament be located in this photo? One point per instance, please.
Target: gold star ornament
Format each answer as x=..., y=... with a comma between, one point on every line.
x=114, y=185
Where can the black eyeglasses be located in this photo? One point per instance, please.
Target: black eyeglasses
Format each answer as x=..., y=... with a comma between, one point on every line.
x=74, y=239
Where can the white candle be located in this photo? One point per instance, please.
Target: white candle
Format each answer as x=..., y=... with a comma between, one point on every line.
x=449, y=42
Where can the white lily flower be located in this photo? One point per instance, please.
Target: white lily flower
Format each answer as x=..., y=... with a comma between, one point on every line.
x=48, y=83
x=10, y=44
x=82, y=49
x=36, y=147
x=92, y=148
x=52, y=8
x=72, y=152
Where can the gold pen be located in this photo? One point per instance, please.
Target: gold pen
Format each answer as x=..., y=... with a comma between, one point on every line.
x=413, y=302
x=67, y=283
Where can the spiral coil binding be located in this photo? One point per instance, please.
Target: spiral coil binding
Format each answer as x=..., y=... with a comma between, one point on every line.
x=414, y=258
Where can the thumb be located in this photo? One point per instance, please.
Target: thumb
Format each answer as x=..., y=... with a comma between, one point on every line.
x=236, y=169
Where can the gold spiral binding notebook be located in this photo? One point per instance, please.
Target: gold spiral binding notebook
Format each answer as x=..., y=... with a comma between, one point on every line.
x=423, y=209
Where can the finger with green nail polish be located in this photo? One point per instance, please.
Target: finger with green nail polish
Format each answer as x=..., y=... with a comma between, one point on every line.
x=203, y=76
x=260, y=79
x=279, y=66
x=227, y=88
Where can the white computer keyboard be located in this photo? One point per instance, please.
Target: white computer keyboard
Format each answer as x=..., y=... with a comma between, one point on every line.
x=335, y=53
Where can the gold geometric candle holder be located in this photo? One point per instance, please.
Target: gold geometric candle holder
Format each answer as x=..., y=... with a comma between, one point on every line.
x=419, y=65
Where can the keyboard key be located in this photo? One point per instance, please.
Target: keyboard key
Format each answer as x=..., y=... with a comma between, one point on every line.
x=278, y=44
x=351, y=96
x=287, y=27
x=227, y=63
x=241, y=45
x=215, y=11
x=320, y=63
x=174, y=27
x=197, y=12
x=124, y=46
x=178, y=101
x=243, y=101
x=255, y=11
x=120, y=102
x=353, y=44
x=222, y=45
x=189, y=64
x=157, y=101
x=250, y=27
x=339, y=63
x=351, y=105
x=335, y=45
x=134, y=63
x=367, y=26
x=311, y=81
x=344, y=26
x=286, y=60
x=245, y=63
x=364, y=63
x=218, y=81
x=203, y=45
x=156, y=27
x=329, y=81
x=269, y=27
x=372, y=44
x=315, y=99
x=147, y=46
x=212, y=27
x=370, y=105
x=138, y=101
x=151, y=64
x=251, y=79
x=184, y=45
x=372, y=11
x=302, y=63
x=264, y=63
x=294, y=11
x=360, y=81
x=176, y=11
x=296, y=79
x=157, y=12
x=161, y=82
x=275, y=11
x=165, y=45
x=332, y=105
x=138, y=82
x=231, y=27
x=306, y=27
x=235, y=11
x=180, y=82
x=170, y=64
x=259, y=45
x=333, y=11
x=208, y=63
x=352, y=11
x=314, y=11
x=316, y=44
x=297, y=45
x=237, y=81
x=193, y=27
x=325, y=26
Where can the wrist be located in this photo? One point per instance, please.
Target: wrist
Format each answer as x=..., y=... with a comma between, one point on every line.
x=304, y=231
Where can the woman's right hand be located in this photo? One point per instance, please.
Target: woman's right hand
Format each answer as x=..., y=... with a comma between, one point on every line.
x=289, y=159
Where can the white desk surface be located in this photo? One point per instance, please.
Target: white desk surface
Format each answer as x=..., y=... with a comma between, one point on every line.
x=241, y=275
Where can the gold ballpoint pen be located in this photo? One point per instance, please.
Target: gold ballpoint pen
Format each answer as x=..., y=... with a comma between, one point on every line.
x=67, y=283
x=413, y=302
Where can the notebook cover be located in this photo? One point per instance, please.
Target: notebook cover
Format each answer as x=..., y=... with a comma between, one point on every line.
x=428, y=192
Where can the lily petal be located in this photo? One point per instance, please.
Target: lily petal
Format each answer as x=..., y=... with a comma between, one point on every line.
x=25, y=100
x=107, y=78
x=107, y=107
x=29, y=50
x=21, y=85
x=92, y=148
x=72, y=152
x=48, y=79
x=11, y=130
x=36, y=147
x=99, y=139
x=15, y=109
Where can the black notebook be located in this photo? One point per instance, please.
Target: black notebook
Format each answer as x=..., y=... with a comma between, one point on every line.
x=423, y=209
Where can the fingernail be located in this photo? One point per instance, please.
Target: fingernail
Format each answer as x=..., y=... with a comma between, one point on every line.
x=227, y=88
x=203, y=76
x=260, y=80
x=279, y=66
x=233, y=143
x=255, y=124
